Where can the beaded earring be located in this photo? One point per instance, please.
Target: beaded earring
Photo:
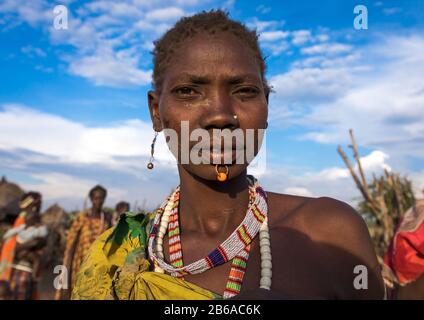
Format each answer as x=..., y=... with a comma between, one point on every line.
x=152, y=151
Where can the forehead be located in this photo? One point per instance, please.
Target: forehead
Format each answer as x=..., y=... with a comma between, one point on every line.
x=212, y=56
x=98, y=193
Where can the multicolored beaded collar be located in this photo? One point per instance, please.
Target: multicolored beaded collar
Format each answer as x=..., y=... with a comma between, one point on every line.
x=236, y=247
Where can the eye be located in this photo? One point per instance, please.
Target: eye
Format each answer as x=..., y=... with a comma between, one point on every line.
x=248, y=92
x=184, y=92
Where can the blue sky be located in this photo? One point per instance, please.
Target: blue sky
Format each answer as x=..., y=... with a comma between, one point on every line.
x=73, y=108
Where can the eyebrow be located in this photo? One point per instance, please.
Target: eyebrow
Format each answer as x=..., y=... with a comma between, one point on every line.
x=198, y=79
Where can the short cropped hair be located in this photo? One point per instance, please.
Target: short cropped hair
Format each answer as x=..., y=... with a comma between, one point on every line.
x=209, y=22
x=97, y=188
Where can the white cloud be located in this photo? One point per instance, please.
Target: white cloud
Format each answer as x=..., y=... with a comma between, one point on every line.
x=116, y=9
x=170, y=13
x=71, y=190
x=147, y=190
x=310, y=84
x=228, y=4
x=99, y=32
x=67, y=158
x=276, y=48
x=310, y=183
x=31, y=12
x=386, y=108
x=299, y=191
x=323, y=37
x=377, y=90
x=300, y=37
x=188, y=2
x=71, y=142
x=333, y=182
x=262, y=25
x=263, y=9
x=375, y=161
x=333, y=173
x=110, y=69
x=60, y=186
x=31, y=51
x=327, y=48
x=273, y=35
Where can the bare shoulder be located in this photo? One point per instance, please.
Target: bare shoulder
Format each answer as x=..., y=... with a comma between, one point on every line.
x=341, y=236
x=329, y=219
x=322, y=219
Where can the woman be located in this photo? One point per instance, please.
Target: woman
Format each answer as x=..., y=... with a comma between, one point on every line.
x=23, y=249
x=86, y=227
x=120, y=208
x=220, y=235
x=403, y=269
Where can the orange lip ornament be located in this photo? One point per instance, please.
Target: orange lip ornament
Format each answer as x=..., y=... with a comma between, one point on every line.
x=221, y=176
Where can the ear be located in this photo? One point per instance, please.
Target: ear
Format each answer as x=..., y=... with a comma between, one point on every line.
x=267, y=91
x=153, y=100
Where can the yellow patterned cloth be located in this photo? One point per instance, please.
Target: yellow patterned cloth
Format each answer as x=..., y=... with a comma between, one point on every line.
x=117, y=267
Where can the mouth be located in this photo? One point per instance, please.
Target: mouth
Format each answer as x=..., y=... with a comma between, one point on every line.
x=227, y=157
x=223, y=156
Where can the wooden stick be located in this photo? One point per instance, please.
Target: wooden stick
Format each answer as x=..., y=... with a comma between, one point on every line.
x=358, y=161
x=357, y=181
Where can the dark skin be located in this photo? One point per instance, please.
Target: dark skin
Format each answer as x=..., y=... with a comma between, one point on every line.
x=97, y=199
x=30, y=249
x=413, y=290
x=123, y=209
x=315, y=243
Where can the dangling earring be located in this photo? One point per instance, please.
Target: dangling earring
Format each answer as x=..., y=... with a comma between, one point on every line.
x=152, y=151
x=221, y=176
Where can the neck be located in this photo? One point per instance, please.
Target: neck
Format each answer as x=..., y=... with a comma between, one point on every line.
x=96, y=211
x=212, y=208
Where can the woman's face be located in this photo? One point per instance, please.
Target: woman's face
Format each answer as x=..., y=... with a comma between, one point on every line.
x=209, y=81
x=97, y=199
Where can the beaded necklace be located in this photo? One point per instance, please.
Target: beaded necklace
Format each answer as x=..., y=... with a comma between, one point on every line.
x=238, y=264
x=235, y=248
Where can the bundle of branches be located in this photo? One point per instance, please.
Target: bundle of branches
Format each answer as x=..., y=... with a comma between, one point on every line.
x=385, y=199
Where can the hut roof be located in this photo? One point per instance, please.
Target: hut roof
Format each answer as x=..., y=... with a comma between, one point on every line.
x=55, y=216
x=10, y=194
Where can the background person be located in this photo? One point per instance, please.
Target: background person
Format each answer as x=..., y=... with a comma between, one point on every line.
x=86, y=227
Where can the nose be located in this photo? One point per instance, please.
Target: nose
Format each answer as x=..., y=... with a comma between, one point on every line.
x=220, y=113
